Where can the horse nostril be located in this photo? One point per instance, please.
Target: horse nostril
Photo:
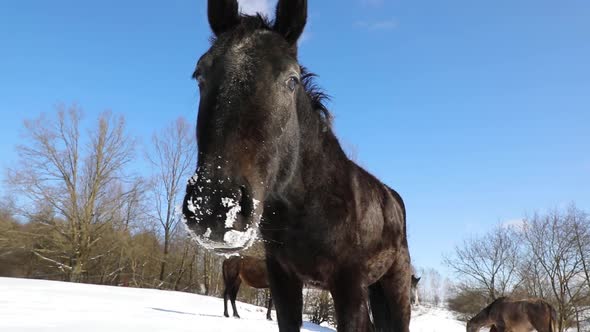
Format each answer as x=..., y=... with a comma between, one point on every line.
x=245, y=202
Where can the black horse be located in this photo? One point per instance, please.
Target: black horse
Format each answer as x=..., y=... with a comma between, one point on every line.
x=269, y=161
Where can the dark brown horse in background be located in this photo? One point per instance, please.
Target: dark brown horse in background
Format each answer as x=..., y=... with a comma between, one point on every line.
x=510, y=315
x=250, y=270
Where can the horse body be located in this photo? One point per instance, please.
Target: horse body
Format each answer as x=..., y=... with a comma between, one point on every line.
x=512, y=315
x=355, y=230
x=269, y=161
x=344, y=236
x=250, y=270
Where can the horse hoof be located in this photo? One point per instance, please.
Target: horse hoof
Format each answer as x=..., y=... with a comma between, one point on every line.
x=225, y=314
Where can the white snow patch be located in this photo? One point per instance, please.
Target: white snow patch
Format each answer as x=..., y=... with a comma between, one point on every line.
x=193, y=180
x=232, y=214
x=28, y=305
x=207, y=233
x=233, y=240
x=425, y=319
x=202, y=241
x=191, y=206
x=237, y=239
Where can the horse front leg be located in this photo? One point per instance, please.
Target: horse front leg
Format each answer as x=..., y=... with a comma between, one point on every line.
x=287, y=296
x=350, y=301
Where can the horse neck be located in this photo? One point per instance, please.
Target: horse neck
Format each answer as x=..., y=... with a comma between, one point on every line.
x=322, y=161
x=480, y=320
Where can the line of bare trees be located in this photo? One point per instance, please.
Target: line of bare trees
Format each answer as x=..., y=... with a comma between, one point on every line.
x=547, y=256
x=433, y=289
x=84, y=203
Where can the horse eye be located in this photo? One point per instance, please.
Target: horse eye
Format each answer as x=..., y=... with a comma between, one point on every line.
x=292, y=83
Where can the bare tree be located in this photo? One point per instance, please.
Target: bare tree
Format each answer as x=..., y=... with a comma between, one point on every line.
x=319, y=306
x=488, y=262
x=72, y=176
x=550, y=241
x=531, y=276
x=172, y=158
x=581, y=233
x=466, y=300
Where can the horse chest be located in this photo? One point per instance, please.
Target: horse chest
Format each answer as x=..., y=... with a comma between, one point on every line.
x=315, y=245
x=308, y=258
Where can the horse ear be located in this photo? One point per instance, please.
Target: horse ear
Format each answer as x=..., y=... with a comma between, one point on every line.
x=223, y=15
x=290, y=19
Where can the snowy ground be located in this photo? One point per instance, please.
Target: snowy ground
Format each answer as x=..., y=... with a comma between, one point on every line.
x=50, y=306
x=434, y=320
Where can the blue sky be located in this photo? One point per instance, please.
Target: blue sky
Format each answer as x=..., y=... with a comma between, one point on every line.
x=477, y=112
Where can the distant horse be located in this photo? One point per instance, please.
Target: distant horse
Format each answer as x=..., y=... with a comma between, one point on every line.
x=414, y=290
x=508, y=314
x=270, y=163
x=250, y=270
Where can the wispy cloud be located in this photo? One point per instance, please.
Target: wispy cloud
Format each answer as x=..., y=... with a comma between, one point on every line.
x=377, y=25
x=256, y=6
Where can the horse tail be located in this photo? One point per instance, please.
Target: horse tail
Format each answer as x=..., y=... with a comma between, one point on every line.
x=379, y=306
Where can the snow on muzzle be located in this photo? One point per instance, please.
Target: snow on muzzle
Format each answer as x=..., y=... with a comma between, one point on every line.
x=220, y=215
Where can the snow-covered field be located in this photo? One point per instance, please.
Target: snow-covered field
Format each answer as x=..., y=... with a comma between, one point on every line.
x=50, y=306
x=435, y=320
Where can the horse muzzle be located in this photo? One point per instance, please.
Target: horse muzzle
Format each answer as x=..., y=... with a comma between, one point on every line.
x=220, y=215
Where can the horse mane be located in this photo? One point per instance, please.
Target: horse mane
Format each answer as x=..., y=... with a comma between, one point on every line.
x=317, y=96
x=249, y=24
x=489, y=307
